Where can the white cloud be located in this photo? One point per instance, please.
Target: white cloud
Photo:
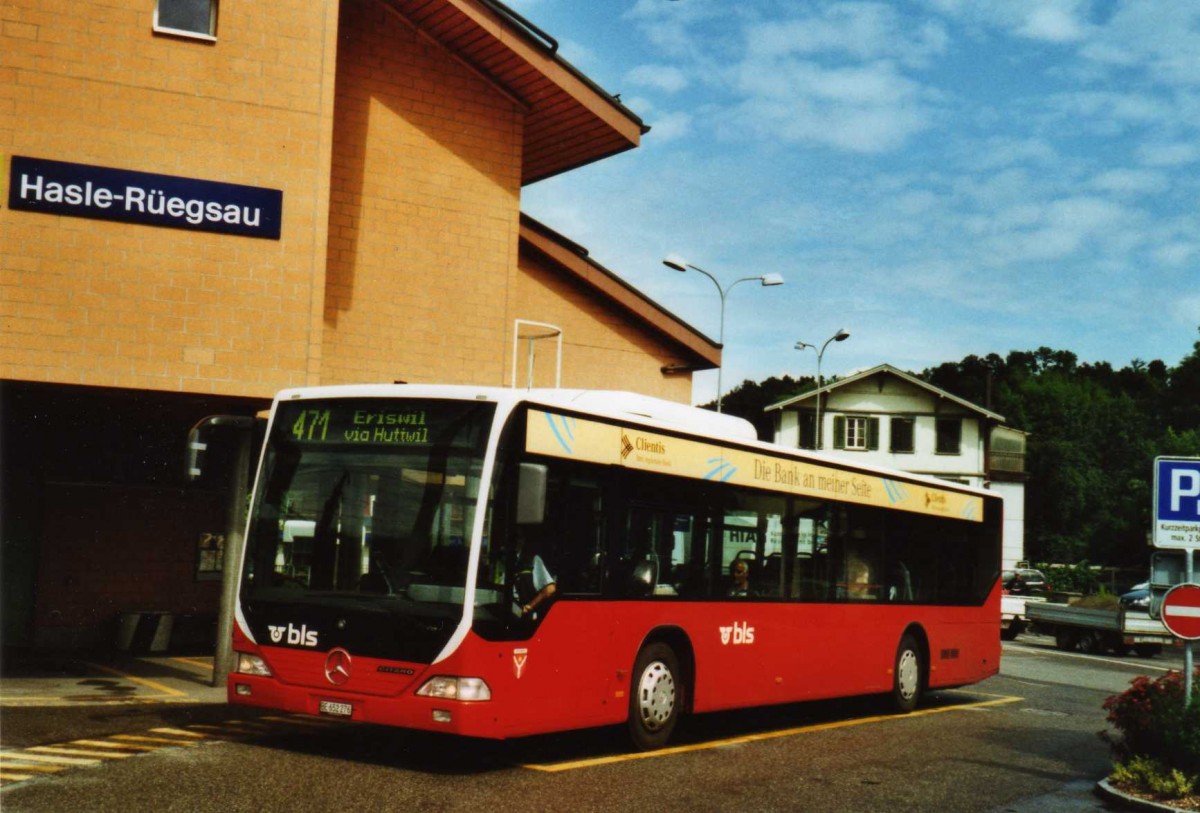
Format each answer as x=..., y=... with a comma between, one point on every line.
x=667, y=78
x=1178, y=254
x=1186, y=309
x=1162, y=37
x=1052, y=23
x=1131, y=181
x=668, y=127
x=1169, y=154
x=865, y=109
x=859, y=31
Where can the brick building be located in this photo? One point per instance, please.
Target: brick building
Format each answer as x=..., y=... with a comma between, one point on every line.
x=202, y=209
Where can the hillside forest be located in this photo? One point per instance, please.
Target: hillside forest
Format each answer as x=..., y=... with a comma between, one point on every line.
x=1094, y=433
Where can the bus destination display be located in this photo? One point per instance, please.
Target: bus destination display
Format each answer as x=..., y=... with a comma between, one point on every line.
x=354, y=423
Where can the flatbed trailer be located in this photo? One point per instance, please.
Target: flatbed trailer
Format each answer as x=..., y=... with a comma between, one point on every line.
x=1013, y=617
x=1095, y=630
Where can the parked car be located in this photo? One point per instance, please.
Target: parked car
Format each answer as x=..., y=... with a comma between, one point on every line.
x=1138, y=597
x=1025, y=581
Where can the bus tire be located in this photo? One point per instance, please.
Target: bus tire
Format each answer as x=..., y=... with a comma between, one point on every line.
x=655, y=696
x=907, y=675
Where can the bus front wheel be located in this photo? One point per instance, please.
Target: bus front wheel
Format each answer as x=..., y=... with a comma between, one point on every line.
x=907, y=677
x=655, y=697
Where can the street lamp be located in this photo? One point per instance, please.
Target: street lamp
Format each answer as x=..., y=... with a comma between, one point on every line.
x=840, y=336
x=679, y=264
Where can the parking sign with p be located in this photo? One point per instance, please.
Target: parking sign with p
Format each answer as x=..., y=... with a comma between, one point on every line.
x=1177, y=502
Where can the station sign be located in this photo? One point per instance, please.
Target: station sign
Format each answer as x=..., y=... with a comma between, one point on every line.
x=1181, y=611
x=1177, y=503
x=129, y=196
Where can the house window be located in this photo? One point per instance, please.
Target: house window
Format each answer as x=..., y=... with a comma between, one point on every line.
x=855, y=432
x=808, y=430
x=190, y=18
x=902, y=435
x=949, y=435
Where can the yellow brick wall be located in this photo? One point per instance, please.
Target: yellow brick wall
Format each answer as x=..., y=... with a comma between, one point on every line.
x=602, y=347
x=424, y=212
x=114, y=304
x=400, y=171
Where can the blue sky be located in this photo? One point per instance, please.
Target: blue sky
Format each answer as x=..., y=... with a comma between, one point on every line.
x=940, y=178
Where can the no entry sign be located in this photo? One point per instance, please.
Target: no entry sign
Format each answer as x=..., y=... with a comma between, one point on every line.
x=1181, y=611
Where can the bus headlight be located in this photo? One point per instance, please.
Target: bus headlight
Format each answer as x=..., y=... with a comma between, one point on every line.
x=248, y=664
x=447, y=687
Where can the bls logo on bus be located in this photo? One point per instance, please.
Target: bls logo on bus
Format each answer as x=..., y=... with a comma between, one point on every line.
x=296, y=637
x=739, y=633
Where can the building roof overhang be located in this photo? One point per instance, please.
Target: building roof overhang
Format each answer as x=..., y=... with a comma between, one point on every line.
x=571, y=259
x=886, y=369
x=570, y=121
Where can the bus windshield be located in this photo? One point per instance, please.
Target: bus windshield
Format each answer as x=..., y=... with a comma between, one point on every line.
x=366, y=501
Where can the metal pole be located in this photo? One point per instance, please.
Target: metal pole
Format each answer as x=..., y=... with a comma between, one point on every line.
x=721, y=341
x=235, y=544
x=1188, y=661
x=819, y=398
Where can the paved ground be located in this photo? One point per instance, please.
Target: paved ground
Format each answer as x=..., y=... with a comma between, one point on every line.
x=106, y=679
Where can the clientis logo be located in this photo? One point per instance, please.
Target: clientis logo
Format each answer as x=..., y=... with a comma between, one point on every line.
x=641, y=444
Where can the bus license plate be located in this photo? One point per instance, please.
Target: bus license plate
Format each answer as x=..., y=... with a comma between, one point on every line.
x=336, y=709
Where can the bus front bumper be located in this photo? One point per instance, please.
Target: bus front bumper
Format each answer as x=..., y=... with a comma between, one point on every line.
x=469, y=719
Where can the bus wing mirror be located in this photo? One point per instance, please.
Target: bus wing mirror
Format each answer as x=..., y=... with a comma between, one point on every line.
x=197, y=439
x=531, y=494
x=196, y=447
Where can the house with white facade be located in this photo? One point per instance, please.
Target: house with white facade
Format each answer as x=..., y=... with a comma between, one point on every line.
x=886, y=417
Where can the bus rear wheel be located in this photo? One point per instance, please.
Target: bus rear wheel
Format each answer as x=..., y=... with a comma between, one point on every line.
x=655, y=697
x=907, y=676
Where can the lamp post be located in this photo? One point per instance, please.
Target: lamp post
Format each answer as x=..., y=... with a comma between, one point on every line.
x=840, y=336
x=679, y=264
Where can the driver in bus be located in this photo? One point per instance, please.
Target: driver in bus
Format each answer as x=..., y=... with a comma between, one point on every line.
x=534, y=586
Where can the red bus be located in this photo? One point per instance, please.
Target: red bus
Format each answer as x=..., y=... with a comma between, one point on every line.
x=401, y=540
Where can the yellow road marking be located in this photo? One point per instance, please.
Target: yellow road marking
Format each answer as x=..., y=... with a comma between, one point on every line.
x=136, y=738
x=221, y=730
x=158, y=687
x=179, y=732
x=202, y=665
x=14, y=777
x=54, y=760
x=32, y=768
x=78, y=752
x=119, y=746
x=766, y=735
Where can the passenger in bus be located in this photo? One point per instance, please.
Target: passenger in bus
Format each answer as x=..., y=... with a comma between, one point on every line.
x=858, y=582
x=739, y=573
x=534, y=586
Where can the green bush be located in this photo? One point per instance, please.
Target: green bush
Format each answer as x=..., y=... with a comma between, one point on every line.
x=1154, y=722
x=1078, y=578
x=1145, y=773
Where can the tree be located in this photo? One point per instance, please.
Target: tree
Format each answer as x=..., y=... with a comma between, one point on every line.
x=749, y=400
